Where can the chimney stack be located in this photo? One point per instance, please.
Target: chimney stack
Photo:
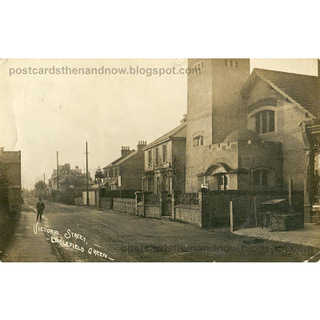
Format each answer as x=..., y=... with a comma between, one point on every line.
x=125, y=150
x=141, y=145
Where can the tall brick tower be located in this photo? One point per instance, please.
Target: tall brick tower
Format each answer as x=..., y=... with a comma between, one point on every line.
x=215, y=107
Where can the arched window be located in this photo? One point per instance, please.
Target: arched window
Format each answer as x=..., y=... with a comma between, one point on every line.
x=264, y=121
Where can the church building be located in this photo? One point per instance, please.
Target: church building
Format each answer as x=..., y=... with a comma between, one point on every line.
x=251, y=131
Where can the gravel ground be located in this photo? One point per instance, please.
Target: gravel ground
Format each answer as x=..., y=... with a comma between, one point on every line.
x=110, y=236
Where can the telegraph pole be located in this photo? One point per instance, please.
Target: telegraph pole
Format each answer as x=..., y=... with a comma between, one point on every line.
x=57, y=170
x=87, y=173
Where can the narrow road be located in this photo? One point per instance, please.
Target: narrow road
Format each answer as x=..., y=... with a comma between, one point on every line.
x=71, y=233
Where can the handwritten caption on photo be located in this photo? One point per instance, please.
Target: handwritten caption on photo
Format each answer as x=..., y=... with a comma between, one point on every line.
x=68, y=240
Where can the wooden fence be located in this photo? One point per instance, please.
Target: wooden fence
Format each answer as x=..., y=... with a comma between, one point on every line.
x=211, y=209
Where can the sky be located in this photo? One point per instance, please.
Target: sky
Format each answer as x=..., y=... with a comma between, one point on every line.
x=42, y=114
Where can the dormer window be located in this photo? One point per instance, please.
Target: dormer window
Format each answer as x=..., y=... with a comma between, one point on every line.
x=198, y=141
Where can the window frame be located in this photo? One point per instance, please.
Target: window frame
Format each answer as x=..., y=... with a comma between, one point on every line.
x=157, y=157
x=222, y=181
x=198, y=140
x=261, y=177
x=149, y=158
x=264, y=119
x=164, y=153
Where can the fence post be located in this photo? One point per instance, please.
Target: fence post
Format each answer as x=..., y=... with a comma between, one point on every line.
x=136, y=204
x=201, y=207
x=161, y=204
x=290, y=192
x=173, y=210
x=231, y=216
x=255, y=210
x=143, y=205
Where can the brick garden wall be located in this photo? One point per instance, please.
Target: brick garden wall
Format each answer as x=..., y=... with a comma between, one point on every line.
x=189, y=214
x=152, y=211
x=105, y=203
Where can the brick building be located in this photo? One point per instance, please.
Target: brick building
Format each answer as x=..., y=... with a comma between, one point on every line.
x=164, y=162
x=126, y=172
x=241, y=162
x=215, y=108
x=10, y=179
x=244, y=130
x=279, y=106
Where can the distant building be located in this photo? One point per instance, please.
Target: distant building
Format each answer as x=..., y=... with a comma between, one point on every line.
x=10, y=179
x=164, y=162
x=125, y=173
x=67, y=184
x=64, y=177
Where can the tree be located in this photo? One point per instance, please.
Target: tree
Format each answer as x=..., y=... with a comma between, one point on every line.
x=99, y=175
x=40, y=189
x=71, y=184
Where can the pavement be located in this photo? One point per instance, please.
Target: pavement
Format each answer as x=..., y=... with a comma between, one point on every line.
x=308, y=236
x=28, y=246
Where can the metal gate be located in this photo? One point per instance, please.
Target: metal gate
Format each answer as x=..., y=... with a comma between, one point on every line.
x=166, y=204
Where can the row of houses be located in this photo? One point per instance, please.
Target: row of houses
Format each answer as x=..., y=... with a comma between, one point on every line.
x=244, y=131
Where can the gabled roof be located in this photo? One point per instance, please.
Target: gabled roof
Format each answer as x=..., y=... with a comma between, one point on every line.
x=176, y=132
x=121, y=159
x=302, y=90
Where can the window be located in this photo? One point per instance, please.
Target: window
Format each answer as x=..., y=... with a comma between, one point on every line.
x=158, y=185
x=164, y=153
x=222, y=182
x=261, y=177
x=157, y=156
x=231, y=63
x=198, y=141
x=265, y=121
x=150, y=158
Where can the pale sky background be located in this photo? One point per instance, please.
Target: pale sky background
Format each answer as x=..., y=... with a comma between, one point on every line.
x=42, y=114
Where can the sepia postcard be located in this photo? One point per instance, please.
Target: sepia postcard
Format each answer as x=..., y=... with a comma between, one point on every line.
x=160, y=160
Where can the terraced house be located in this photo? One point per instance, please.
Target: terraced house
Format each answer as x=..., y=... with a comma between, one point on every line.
x=126, y=172
x=164, y=162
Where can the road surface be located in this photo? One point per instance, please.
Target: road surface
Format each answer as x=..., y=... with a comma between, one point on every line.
x=75, y=233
